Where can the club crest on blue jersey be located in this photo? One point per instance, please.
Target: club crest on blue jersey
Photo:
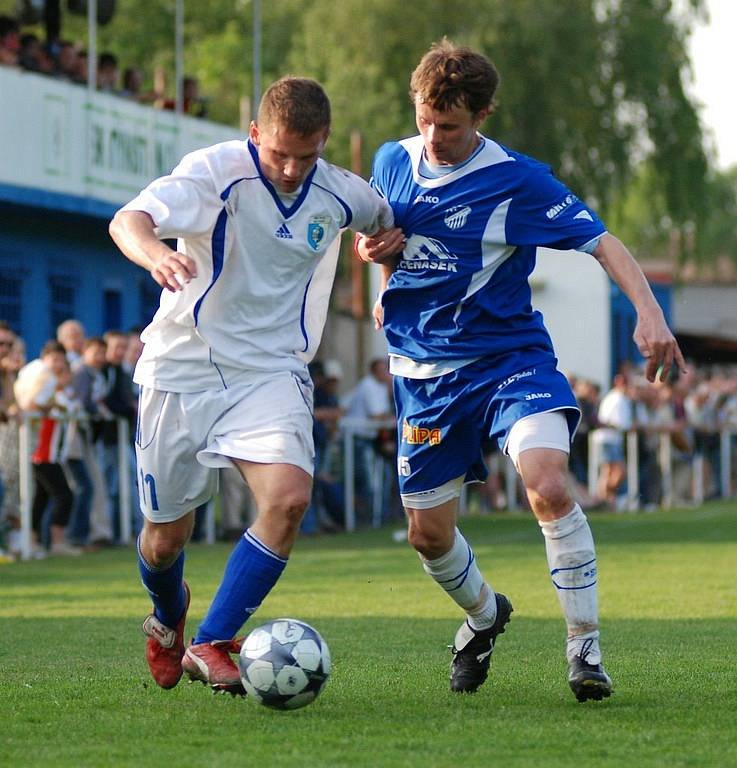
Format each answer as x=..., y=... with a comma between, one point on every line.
x=457, y=216
x=316, y=230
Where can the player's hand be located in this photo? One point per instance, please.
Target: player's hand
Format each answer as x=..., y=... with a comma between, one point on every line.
x=377, y=312
x=381, y=247
x=174, y=270
x=658, y=346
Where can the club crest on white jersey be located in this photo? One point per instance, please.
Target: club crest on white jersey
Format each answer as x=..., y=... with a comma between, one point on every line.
x=316, y=231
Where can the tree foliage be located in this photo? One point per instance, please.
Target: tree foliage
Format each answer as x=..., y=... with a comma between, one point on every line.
x=595, y=88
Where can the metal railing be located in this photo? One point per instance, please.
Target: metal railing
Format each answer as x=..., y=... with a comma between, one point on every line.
x=368, y=429
x=665, y=460
x=25, y=451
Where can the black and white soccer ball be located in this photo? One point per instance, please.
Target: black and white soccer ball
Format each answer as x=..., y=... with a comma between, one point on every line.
x=284, y=664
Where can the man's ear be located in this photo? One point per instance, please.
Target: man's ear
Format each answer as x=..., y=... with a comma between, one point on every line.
x=481, y=116
x=253, y=132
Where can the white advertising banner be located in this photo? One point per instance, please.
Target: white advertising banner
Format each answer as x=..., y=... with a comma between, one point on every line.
x=54, y=138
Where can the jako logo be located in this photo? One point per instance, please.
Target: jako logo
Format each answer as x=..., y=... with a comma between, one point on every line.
x=558, y=208
x=538, y=396
x=426, y=199
x=419, y=435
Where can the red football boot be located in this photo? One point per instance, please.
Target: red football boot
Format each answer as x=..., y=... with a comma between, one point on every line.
x=210, y=663
x=165, y=647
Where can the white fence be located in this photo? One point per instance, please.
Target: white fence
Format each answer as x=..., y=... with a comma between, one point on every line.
x=353, y=428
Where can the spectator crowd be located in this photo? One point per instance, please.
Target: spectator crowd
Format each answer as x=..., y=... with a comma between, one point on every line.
x=75, y=394
x=67, y=61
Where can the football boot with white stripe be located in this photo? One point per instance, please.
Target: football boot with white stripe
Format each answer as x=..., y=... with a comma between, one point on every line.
x=165, y=647
x=472, y=650
x=211, y=664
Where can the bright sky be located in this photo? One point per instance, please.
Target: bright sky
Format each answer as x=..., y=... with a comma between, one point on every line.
x=714, y=58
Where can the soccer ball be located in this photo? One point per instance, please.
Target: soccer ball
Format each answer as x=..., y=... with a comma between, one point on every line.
x=284, y=664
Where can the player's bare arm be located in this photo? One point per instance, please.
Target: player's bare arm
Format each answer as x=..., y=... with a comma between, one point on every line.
x=133, y=232
x=381, y=248
x=378, y=309
x=652, y=335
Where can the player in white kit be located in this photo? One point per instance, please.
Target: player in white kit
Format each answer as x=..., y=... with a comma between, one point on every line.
x=223, y=373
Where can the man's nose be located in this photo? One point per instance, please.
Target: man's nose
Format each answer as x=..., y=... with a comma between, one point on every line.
x=292, y=169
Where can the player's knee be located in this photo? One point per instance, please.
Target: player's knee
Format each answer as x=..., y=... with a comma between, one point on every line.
x=549, y=495
x=290, y=506
x=430, y=542
x=163, y=547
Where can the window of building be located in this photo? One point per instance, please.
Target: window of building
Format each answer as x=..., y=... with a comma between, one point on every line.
x=11, y=301
x=112, y=309
x=148, y=297
x=62, y=300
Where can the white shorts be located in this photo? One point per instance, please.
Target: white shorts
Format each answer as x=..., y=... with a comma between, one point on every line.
x=182, y=439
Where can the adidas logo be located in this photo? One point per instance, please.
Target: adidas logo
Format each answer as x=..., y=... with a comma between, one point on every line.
x=283, y=233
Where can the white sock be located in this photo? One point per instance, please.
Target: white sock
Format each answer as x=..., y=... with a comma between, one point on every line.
x=457, y=573
x=572, y=560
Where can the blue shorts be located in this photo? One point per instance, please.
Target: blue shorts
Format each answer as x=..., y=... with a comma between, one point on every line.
x=443, y=422
x=612, y=453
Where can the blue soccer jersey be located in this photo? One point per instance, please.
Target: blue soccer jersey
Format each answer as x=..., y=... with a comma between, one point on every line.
x=460, y=290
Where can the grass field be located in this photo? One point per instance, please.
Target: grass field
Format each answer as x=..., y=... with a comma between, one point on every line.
x=75, y=688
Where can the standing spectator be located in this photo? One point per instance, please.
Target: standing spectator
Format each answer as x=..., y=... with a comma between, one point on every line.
x=12, y=360
x=702, y=414
x=66, y=61
x=193, y=103
x=615, y=418
x=369, y=402
x=119, y=402
x=237, y=508
x=71, y=335
x=107, y=73
x=326, y=414
x=33, y=55
x=90, y=387
x=587, y=397
x=7, y=380
x=50, y=483
x=81, y=66
x=9, y=41
x=133, y=84
x=133, y=351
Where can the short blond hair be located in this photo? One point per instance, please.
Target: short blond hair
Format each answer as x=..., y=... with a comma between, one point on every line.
x=298, y=104
x=450, y=76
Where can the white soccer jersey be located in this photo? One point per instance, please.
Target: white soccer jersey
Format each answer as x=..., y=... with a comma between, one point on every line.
x=265, y=267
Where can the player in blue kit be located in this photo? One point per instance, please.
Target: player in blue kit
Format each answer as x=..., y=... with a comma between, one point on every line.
x=470, y=357
x=223, y=373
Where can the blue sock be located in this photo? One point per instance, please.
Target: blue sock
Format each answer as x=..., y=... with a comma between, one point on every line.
x=166, y=588
x=251, y=572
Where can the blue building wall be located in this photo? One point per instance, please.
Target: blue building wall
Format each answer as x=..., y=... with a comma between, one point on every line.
x=59, y=264
x=624, y=319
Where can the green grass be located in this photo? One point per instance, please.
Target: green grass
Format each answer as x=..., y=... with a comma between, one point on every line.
x=75, y=689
